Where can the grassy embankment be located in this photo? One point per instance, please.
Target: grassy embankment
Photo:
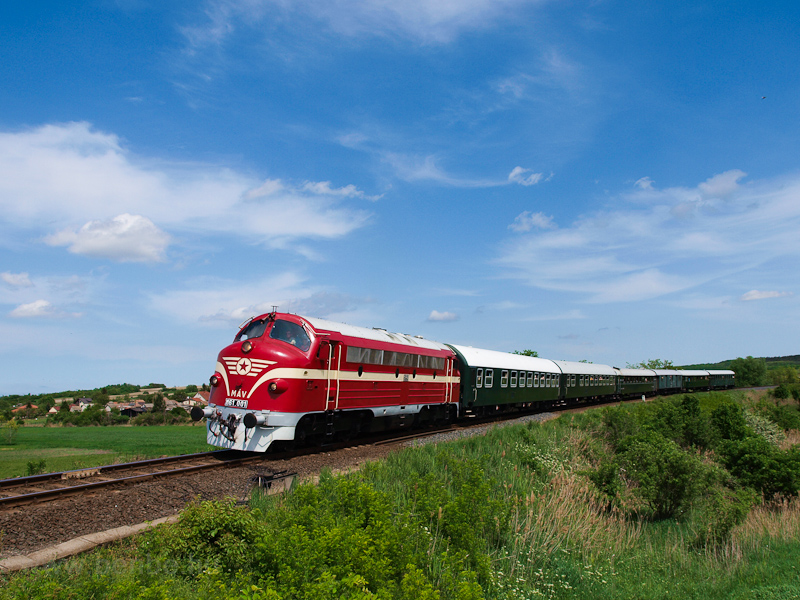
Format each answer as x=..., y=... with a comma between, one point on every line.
x=66, y=448
x=642, y=501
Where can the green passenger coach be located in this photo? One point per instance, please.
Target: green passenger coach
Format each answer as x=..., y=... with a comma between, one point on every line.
x=498, y=379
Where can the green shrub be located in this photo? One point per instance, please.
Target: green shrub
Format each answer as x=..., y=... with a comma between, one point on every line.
x=762, y=466
x=720, y=513
x=668, y=479
x=729, y=422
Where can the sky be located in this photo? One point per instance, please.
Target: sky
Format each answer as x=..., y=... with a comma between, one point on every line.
x=591, y=179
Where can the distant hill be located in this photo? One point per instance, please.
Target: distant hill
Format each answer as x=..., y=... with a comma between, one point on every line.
x=773, y=362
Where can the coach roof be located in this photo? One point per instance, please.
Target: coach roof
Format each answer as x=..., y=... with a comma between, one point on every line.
x=476, y=357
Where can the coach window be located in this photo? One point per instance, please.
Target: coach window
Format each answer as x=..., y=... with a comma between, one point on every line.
x=504, y=379
x=513, y=379
x=479, y=378
x=530, y=379
x=291, y=333
x=489, y=378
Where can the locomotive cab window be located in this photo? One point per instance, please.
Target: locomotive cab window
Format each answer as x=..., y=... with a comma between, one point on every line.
x=479, y=378
x=291, y=333
x=254, y=329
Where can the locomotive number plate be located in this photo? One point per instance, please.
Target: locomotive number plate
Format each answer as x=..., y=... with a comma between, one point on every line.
x=235, y=403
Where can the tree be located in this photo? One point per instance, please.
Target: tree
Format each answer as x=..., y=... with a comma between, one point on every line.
x=526, y=353
x=653, y=363
x=191, y=389
x=159, y=406
x=749, y=371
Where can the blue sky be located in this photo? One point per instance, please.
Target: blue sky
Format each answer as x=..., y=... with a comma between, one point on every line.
x=594, y=180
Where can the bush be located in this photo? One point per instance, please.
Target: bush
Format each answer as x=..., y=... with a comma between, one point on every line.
x=722, y=511
x=729, y=422
x=762, y=466
x=668, y=478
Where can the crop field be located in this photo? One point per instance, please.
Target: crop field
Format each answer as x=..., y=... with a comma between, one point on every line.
x=643, y=501
x=64, y=448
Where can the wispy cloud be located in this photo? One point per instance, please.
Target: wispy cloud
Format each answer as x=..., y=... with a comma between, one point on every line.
x=16, y=280
x=759, y=295
x=419, y=21
x=526, y=221
x=520, y=176
x=40, y=309
x=657, y=242
x=100, y=196
x=442, y=316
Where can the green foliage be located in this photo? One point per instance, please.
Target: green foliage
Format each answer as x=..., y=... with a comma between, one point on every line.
x=527, y=352
x=191, y=389
x=35, y=467
x=749, y=371
x=159, y=405
x=10, y=431
x=668, y=479
x=762, y=466
x=764, y=427
x=720, y=513
x=729, y=421
x=782, y=375
x=782, y=392
x=653, y=363
x=786, y=417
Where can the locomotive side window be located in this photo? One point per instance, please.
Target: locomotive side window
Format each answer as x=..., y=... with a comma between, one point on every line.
x=479, y=378
x=253, y=330
x=504, y=379
x=489, y=378
x=291, y=333
x=513, y=379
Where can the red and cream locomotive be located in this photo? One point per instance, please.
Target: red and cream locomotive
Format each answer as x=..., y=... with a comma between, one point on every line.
x=290, y=378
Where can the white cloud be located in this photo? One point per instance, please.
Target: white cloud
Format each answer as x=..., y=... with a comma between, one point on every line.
x=69, y=174
x=722, y=185
x=442, y=316
x=526, y=221
x=651, y=242
x=644, y=183
x=517, y=175
x=39, y=309
x=424, y=168
x=323, y=188
x=16, y=280
x=758, y=295
x=125, y=238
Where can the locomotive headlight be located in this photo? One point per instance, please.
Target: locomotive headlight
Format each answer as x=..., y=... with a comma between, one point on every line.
x=247, y=346
x=215, y=379
x=278, y=386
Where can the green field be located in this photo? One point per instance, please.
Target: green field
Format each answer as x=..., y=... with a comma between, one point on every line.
x=66, y=448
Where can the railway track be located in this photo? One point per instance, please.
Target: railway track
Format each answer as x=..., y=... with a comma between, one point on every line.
x=50, y=486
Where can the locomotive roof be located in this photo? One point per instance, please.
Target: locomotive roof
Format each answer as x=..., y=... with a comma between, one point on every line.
x=579, y=368
x=376, y=335
x=477, y=357
x=636, y=372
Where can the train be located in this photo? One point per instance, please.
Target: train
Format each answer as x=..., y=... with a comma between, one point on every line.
x=288, y=380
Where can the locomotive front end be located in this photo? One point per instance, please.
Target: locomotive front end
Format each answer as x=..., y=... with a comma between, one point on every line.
x=262, y=385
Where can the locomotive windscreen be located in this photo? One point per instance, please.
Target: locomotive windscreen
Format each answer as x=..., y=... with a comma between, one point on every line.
x=253, y=330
